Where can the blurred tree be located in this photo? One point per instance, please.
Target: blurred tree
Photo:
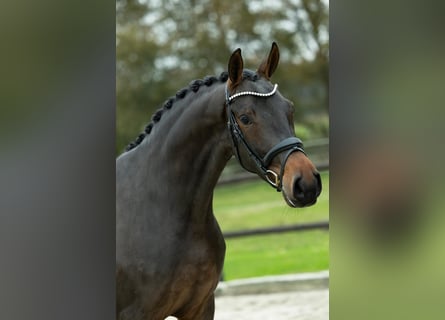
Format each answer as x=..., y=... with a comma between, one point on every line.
x=163, y=45
x=130, y=11
x=318, y=19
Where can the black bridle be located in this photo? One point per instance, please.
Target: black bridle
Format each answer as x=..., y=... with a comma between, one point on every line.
x=290, y=144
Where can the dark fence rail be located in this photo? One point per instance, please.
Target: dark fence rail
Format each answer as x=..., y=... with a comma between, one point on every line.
x=323, y=225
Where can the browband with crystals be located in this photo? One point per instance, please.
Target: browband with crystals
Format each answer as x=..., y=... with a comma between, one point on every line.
x=250, y=93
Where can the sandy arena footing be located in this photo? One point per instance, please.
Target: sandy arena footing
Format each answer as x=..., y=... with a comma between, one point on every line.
x=289, y=297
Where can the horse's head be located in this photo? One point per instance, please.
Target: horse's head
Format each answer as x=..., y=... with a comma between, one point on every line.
x=262, y=129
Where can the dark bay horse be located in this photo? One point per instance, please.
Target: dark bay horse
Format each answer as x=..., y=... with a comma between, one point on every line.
x=169, y=247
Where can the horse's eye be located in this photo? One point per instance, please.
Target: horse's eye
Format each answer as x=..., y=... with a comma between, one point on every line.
x=244, y=119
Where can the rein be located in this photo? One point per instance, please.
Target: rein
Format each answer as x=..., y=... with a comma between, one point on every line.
x=290, y=144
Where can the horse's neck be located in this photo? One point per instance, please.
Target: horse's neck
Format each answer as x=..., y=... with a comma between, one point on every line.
x=186, y=153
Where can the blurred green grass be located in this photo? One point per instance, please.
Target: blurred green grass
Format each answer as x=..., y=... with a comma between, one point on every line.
x=254, y=204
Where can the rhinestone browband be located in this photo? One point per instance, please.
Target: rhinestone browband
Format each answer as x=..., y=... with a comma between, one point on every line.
x=252, y=93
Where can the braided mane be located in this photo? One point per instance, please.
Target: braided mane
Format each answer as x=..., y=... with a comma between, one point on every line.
x=193, y=86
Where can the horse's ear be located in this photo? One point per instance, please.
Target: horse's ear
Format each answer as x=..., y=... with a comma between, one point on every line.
x=236, y=68
x=268, y=66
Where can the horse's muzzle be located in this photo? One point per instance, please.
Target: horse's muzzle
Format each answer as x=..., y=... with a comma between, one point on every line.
x=305, y=193
x=301, y=182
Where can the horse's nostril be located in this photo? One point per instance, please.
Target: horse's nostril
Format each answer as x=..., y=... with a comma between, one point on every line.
x=318, y=178
x=307, y=191
x=298, y=189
